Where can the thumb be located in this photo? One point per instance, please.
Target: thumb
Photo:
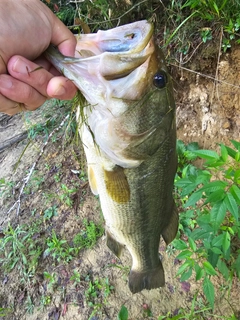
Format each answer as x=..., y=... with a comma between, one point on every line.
x=63, y=38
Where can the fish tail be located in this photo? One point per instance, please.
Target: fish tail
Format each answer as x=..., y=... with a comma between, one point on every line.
x=170, y=231
x=151, y=279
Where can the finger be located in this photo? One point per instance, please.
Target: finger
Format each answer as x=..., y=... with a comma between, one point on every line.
x=63, y=38
x=40, y=79
x=7, y=106
x=13, y=91
x=29, y=73
x=61, y=88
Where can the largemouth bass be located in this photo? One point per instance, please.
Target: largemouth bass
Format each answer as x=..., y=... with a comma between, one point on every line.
x=129, y=137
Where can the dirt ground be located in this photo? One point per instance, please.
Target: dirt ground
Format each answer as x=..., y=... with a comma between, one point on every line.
x=207, y=112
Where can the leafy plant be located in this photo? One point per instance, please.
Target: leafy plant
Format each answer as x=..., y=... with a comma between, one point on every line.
x=18, y=249
x=76, y=277
x=88, y=237
x=59, y=248
x=211, y=198
x=50, y=213
x=65, y=195
x=97, y=293
x=5, y=187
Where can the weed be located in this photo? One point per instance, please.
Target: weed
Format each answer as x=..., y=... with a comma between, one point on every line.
x=88, y=237
x=5, y=311
x=5, y=188
x=65, y=195
x=51, y=279
x=45, y=300
x=17, y=248
x=76, y=278
x=97, y=293
x=50, y=213
x=58, y=248
x=211, y=198
x=29, y=305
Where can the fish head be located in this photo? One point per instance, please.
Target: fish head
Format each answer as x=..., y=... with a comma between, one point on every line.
x=112, y=63
x=120, y=71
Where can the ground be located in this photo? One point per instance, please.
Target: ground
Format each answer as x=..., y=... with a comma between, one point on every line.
x=52, y=281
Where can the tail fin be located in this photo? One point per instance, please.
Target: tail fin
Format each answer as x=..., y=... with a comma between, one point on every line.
x=150, y=279
x=170, y=231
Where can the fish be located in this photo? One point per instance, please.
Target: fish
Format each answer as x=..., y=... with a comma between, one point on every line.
x=128, y=131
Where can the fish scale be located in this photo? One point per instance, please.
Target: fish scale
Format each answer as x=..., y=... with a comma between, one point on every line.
x=129, y=137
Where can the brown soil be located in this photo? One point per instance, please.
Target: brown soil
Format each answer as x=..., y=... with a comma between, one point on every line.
x=207, y=112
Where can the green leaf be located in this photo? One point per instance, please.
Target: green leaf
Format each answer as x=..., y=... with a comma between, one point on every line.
x=236, y=144
x=224, y=153
x=184, y=254
x=217, y=241
x=179, y=244
x=193, y=199
x=199, y=272
x=231, y=205
x=192, y=244
x=237, y=176
x=180, y=148
x=222, y=267
x=186, y=275
x=232, y=153
x=208, y=290
x=123, y=313
x=183, y=267
x=226, y=241
x=235, y=191
x=209, y=268
x=218, y=213
x=216, y=250
x=207, y=154
x=215, y=196
x=214, y=185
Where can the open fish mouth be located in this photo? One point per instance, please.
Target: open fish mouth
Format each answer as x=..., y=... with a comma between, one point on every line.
x=109, y=62
x=120, y=51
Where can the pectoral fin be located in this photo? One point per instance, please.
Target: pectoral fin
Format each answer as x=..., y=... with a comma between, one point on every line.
x=92, y=180
x=117, y=185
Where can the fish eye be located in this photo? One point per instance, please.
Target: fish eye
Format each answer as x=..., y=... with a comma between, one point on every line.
x=160, y=79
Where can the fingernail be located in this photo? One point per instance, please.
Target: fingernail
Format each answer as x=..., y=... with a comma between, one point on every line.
x=60, y=91
x=20, y=66
x=6, y=83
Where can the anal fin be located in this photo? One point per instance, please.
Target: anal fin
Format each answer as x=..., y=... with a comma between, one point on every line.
x=113, y=244
x=170, y=231
x=151, y=279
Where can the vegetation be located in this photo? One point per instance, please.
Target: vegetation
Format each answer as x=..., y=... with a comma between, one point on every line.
x=208, y=194
x=210, y=198
x=182, y=25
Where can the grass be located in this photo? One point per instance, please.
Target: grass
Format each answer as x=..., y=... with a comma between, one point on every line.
x=183, y=28
x=181, y=25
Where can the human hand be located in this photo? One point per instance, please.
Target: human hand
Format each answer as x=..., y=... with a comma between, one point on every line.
x=27, y=79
